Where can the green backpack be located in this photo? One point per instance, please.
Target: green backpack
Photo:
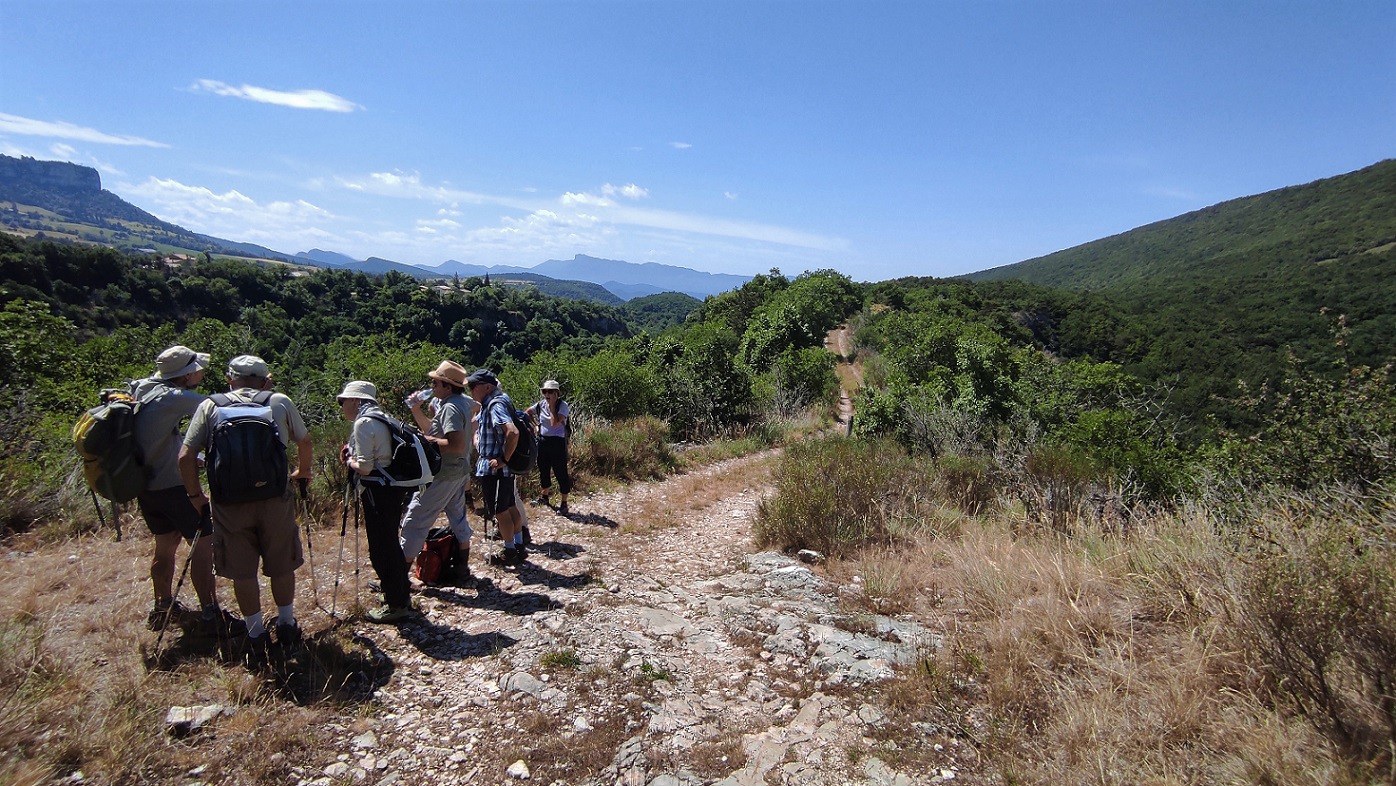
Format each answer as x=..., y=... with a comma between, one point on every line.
x=105, y=438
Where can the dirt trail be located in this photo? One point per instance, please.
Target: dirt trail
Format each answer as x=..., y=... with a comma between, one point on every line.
x=646, y=642
x=849, y=372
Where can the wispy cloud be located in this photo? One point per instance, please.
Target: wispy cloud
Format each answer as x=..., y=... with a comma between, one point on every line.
x=680, y=145
x=294, y=99
x=58, y=129
x=732, y=195
x=629, y=191
x=575, y=209
x=1169, y=192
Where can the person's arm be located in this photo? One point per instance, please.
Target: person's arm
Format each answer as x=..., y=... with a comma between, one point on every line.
x=189, y=474
x=303, y=458
x=421, y=418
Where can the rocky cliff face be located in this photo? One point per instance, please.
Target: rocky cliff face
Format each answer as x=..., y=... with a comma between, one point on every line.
x=50, y=174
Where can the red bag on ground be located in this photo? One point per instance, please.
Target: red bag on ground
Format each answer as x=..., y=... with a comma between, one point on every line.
x=438, y=556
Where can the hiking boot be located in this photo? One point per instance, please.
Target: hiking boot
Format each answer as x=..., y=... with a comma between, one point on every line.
x=544, y=501
x=520, y=555
x=527, y=537
x=222, y=624
x=562, y=509
x=504, y=558
x=460, y=572
x=386, y=614
x=258, y=652
x=170, y=612
x=288, y=635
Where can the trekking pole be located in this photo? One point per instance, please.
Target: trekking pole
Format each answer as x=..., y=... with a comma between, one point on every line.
x=304, y=484
x=358, y=563
x=164, y=626
x=102, y=520
x=339, y=565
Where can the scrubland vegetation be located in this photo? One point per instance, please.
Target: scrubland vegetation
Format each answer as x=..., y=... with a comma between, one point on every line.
x=1129, y=591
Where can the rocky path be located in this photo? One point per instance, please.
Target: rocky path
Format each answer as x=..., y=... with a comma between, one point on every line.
x=647, y=642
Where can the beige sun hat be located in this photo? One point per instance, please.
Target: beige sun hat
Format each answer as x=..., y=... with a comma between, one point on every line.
x=359, y=389
x=551, y=385
x=451, y=372
x=179, y=360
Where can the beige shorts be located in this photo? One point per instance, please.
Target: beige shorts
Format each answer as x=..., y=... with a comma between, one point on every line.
x=246, y=533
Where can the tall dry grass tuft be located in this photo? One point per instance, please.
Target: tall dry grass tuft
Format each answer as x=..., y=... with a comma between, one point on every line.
x=1104, y=659
x=836, y=495
x=632, y=449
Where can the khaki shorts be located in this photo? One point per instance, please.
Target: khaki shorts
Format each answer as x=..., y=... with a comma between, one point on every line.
x=246, y=533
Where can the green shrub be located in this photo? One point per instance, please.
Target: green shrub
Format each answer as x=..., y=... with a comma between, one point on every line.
x=836, y=495
x=627, y=449
x=1321, y=617
x=970, y=482
x=1055, y=484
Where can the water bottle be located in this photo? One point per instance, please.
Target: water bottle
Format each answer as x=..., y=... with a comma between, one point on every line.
x=419, y=397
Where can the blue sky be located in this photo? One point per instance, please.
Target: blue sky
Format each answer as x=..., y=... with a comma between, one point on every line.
x=881, y=139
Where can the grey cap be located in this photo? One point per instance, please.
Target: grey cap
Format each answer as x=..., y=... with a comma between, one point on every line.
x=248, y=366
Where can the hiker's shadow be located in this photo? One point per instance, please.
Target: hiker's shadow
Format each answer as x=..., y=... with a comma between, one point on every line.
x=483, y=593
x=594, y=519
x=326, y=669
x=443, y=642
x=534, y=573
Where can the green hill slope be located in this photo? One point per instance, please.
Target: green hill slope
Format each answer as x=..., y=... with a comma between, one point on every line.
x=1228, y=291
x=1323, y=221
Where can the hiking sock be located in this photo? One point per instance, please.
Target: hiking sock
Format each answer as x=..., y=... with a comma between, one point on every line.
x=286, y=615
x=255, y=627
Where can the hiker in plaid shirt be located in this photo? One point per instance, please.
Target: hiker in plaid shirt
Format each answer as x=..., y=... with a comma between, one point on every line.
x=496, y=437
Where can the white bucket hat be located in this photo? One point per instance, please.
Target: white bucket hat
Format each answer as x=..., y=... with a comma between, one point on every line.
x=179, y=360
x=359, y=389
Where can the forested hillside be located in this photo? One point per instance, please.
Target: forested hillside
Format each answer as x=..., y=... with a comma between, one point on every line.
x=78, y=318
x=1230, y=290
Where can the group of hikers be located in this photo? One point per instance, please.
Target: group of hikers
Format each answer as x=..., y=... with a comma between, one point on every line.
x=247, y=517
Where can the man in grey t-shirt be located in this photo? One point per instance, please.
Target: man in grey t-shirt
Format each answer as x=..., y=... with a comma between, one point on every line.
x=168, y=399
x=450, y=429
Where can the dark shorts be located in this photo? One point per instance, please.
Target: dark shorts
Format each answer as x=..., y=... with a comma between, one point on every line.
x=168, y=510
x=497, y=492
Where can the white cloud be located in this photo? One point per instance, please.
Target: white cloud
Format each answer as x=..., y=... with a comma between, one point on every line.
x=63, y=151
x=578, y=217
x=680, y=145
x=294, y=99
x=629, y=191
x=732, y=195
x=232, y=214
x=58, y=129
x=570, y=198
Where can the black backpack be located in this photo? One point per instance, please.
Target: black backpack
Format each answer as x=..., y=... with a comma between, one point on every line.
x=246, y=455
x=526, y=451
x=415, y=460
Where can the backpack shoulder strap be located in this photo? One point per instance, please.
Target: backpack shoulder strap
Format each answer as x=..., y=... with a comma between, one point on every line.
x=221, y=399
x=263, y=397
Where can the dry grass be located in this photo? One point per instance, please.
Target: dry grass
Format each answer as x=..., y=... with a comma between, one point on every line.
x=81, y=692
x=1094, y=660
x=675, y=501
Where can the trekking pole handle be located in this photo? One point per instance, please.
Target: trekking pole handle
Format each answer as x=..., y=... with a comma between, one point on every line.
x=304, y=485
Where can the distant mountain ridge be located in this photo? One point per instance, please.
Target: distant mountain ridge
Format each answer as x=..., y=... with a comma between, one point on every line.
x=63, y=200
